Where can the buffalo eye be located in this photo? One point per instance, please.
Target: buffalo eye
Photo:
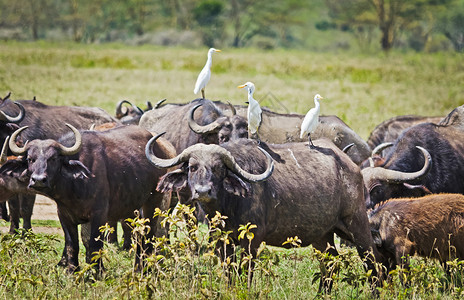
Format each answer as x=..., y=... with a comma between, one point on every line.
x=223, y=138
x=193, y=168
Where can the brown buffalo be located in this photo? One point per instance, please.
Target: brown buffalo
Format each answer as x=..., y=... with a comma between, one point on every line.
x=430, y=226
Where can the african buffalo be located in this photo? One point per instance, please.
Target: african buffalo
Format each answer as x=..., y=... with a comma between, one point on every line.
x=408, y=173
x=132, y=113
x=94, y=177
x=309, y=193
x=45, y=121
x=389, y=130
x=211, y=125
x=430, y=226
x=275, y=128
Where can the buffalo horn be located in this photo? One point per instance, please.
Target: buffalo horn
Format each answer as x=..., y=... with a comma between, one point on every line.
x=12, y=142
x=226, y=157
x=7, y=96
x=77, y=145
x=232, y=108
x=379, y=173
x=212, y=127
x=347, y=147
x=3, y=156
x=380, y=148
x=230, y=162
x=164, y=163
x=119, y=112
x=17, y=119
x=160, y=103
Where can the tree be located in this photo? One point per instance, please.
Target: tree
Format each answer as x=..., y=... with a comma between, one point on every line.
x=208, y=16
x=389, y=15
x=33, y=15
x=451, y=24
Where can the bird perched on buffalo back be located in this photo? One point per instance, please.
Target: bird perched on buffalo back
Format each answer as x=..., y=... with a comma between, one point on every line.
x=311, y=120
x=254, y=111
x=205, y=74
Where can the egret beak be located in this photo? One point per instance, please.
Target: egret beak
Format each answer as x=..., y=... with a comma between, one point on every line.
x=241, y=86
x=217, y=50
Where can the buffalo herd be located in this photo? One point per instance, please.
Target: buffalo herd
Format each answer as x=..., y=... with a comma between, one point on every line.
x=395, y=195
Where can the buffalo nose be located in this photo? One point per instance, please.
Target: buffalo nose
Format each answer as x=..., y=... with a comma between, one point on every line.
x=202, y=190
x=38, y=181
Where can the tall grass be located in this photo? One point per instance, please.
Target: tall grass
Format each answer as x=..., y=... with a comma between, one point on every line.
x=188, y=268
x=362, y=90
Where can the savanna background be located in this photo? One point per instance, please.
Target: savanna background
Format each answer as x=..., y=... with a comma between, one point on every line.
x=370, y=59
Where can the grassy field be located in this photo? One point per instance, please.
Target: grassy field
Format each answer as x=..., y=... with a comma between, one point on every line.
x=362, y=90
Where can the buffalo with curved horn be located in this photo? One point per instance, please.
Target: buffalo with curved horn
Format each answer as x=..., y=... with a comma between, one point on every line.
x=406, y=172
x=83, y=172
x=311, y=193
x=44, y=121
x=199, y=121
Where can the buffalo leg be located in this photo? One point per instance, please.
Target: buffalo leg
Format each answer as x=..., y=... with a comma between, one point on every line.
x=326, y=244
x=359, y=230
x=14, y=205
x=26, y=207
x=4, y=212
x=71, y=244
x=127, y=234
x=113, y=237
x=95, y=243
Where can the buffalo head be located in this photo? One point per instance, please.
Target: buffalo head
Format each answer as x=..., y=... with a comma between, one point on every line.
x=207, y=170
x=12, y=182
x=227, y=128
x=8, y=124
x=45, y=161
x=383, y=184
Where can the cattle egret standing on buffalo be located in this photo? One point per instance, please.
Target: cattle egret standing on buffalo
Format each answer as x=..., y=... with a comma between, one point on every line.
x=311, y=120
x=254, y=110
x=205, y=74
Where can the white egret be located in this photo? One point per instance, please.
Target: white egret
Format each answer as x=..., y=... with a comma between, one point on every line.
x=254, y=110
x=205, y=74
x=311, y=120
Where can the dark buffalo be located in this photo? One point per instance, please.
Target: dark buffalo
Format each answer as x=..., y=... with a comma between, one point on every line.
x=45, y=121
x=208, y=122
x=130, y=114
x=94, y=177
x=280, y=128
x=311, y=194
x=430, y=226
x=407, y=172
x=389, y=130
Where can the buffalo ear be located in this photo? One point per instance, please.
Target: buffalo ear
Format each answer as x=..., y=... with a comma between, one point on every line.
x=172, y=181
x=235, y=185
x=76, y=169
x=376, y=237
x=12, y=127
x=422, y=189
x=16, y=168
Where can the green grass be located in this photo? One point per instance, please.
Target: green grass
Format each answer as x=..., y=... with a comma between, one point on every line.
x=362, y=90
x=181, y=270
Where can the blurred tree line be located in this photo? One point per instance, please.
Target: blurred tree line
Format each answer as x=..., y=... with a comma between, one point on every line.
x=415, y=24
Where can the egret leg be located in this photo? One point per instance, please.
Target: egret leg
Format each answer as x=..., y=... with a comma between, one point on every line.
x=310, y=142
x=203, y=93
